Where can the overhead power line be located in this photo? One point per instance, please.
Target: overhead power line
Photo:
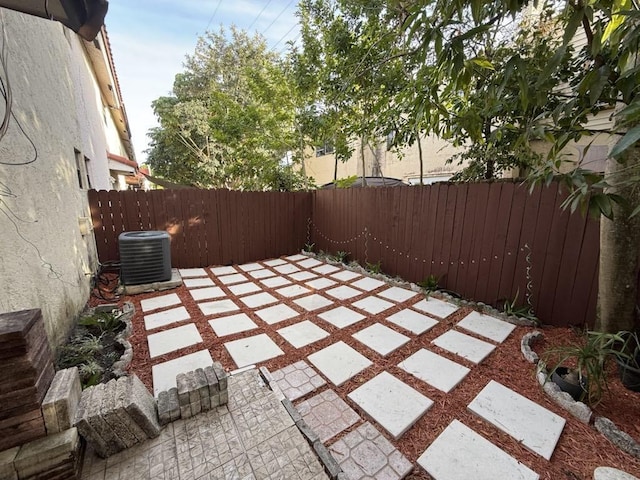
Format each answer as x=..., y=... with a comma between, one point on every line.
x=213, y=15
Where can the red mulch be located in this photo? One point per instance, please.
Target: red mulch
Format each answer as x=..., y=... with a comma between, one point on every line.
x=581, y=447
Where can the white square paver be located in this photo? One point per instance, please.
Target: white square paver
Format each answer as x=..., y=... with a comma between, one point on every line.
x=339, y=362
x=343, y=292
x=217, y=271
x=397, y=294
x=235, y=278
x=341, y=317
x=326, y=269
x=264, y=273
x=464, y=346
x=198, y=282
x=487, y=326
x=537, y=428
x=313, y=302
x=345, y=275
x=164, y=374
x=296, y=258
x=310, y=263
x=288, y=268
x=162, y=301
x=435, y=307
x=247, y=267
x=373, y=305
x=244, y=288
x=276, y=314
x=320, y=283
x=292, y=291
x=391, y=403
x=413, y=321
x=302, y=276
x=165, y=317
x=275, y=282
x=437, y=371
x=258, y=300
x=218, y=306
x=302, y=333
x=368, y=284
x=275, y=262
x=192, y=272
x=381, y=339
x=206, y=293
x=232, y=324
x=173, y=339
x=460, y=453
x=252, y=350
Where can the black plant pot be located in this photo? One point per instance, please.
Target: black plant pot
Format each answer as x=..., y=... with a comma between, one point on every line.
x=629, y=376
x=576, y=391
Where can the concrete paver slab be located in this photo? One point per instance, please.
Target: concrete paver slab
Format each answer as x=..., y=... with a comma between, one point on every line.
x=341, y=317
x=339, y=362
x=302, y=333
x=162, y=301
x=173, y=339
x=487, y=326
x=326, y=269
x=192, y=272
x=243, y=288
x=437, y=371
x=276, y=313
x=313, y=302
x=413, y=321
x=164, y=374
x=232, y=324
x=231, y=279
x=464, y=346
x=297, y=380
x=292, y=291
x=286, y=269
x=207, y=293
x=218, y=306
x=247, y=267
x=264, y=273
x=228, y=270
x=275, y=282
x=345, y=275
x=365, y=453
x=198, y=282
x=343, y=292
x=391, y=403
x=320, y=283
x=309, y=263
x=373, y=305
x=397, y=294
x=296, y=258
x=166, y=317
x=435, y=307
x=381, y=339
x=258, y=300
x=537, y=428
x=275, y=262
x=252, y=350
x=327, y=414
x=460, y=453
x=368, y=284
x=302, y=276
x=260, y=420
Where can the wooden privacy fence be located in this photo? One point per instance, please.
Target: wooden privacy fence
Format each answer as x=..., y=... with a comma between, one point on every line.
x=207, y=227
x=486, y=241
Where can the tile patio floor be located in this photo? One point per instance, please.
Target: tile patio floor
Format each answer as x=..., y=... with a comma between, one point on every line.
x=307, y=306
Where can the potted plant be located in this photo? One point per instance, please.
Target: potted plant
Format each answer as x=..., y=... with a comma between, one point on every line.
x=580, y=369
x=629, y=361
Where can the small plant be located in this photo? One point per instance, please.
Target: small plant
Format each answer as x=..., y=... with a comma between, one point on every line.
x=341, y=256
x=345, y=182
x=101, y=322
x=90, y=373
x=510, y=307
x=308, y=247
x=374, y=267
x=429, y=284
x=79, y=350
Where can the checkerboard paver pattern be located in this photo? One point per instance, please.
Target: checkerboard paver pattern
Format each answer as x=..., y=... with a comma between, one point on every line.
x=327, y=414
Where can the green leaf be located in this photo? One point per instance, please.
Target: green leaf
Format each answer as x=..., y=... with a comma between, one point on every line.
x=483, y=63
x=630, y=138
x=616, y=20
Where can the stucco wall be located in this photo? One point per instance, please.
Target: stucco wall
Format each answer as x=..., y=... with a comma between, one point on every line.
x=45, y=260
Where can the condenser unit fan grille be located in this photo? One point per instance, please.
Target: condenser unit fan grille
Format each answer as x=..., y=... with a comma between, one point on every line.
x=145, y=257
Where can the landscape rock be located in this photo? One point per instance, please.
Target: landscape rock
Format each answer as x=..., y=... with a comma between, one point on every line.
x=608, y=473
x=619, y=438
x=525, y=346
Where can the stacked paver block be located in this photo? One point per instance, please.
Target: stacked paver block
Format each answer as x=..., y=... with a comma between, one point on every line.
x=198, y=391
x=61, y=402
x=55, y=456
x=27, y=371
x=117, y=415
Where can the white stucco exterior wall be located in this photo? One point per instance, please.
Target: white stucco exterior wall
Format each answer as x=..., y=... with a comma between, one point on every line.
x=45, y=261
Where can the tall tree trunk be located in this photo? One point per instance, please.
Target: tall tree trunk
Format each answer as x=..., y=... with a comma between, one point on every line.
x=421, y=160
x=620, y=249
x=335, y=167
x=364, y=170
x=489, y=172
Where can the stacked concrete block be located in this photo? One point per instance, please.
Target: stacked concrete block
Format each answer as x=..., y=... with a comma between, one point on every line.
x=117, y=415
x=54, y=456
x=168, y=406
x=61, y=402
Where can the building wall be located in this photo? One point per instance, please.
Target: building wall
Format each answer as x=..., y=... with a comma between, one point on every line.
x=46, y=262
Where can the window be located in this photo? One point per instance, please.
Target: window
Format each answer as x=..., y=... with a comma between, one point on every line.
x=82, y=170
x=86, y=171
x=324, y=149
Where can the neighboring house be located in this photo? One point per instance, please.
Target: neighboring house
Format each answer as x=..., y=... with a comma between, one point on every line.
x=66, y=124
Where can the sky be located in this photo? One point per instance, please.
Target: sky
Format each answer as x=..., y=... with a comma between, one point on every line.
x=150, y=38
